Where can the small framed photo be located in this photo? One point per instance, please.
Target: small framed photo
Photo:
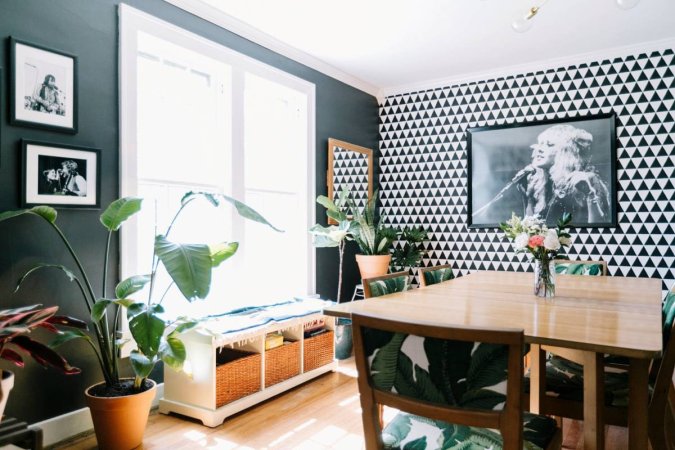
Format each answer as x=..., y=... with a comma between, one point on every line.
x=544, y=169
x=60, y=175
x=43, y=88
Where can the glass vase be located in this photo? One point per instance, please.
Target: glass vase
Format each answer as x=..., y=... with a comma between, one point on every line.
x=544, y=279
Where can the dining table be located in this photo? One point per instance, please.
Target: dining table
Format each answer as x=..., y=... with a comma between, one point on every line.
x=591, y=315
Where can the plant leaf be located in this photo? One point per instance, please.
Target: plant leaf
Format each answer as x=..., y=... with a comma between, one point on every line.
x=189, y=265
x=71, y=276
x=141, y=364
x=98, y=310
x=222, y=251
x=44, y=355
x=131, y=285
x=46, y=212
x=119, y=211
x=147, y=330
x=244, y=210
x=66, y=336
x=173, y=353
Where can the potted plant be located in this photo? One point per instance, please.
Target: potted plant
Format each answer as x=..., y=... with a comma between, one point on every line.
x=373, y=238
x=120, y=406
x=15, y=324
x=409, y=255
x=337, y=236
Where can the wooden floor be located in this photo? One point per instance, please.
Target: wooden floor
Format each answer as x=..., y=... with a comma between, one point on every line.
x=321, y=414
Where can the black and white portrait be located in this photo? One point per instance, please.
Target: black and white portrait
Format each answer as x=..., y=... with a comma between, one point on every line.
x=43, y=87
x=544, y=169
x=60, y=175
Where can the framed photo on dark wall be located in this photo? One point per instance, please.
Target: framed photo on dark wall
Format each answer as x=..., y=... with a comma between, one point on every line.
x=60, y=175
x=543, y=168
x=43, y=87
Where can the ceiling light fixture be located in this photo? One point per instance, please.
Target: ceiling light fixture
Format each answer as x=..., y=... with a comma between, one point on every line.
x=523, y=22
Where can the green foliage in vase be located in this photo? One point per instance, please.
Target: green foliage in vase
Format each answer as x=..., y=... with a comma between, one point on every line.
x=372, y=237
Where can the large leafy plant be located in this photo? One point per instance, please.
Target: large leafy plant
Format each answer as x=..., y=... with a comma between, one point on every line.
x=334, y=235
x=156, y=338
x=410, y=253
x=370, y=234
x=17, y=323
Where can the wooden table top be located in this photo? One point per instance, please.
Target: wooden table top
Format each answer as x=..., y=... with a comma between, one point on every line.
x=616, y=315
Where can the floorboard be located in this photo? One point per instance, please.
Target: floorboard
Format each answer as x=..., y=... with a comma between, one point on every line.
x=322, y=414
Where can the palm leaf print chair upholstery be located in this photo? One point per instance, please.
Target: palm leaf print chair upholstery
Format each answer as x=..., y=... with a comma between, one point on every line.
x=454, y=388
x=561, y=391
x=435, y=274
x=567, y=267
x=386, y=284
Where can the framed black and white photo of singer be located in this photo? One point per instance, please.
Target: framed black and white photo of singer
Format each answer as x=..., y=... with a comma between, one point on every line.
x=43, y=87
x=60, y=175
x=543, y=168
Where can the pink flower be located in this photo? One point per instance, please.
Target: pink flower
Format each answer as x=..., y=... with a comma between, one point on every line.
x=536, y=241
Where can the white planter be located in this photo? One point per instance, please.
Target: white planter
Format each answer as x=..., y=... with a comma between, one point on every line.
x=7, y=385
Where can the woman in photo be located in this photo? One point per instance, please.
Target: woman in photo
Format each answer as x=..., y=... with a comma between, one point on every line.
x=49, y=97
x=564, y=179
x=73, y=183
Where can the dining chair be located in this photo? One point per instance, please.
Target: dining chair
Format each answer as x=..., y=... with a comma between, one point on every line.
x=560, y=390
x=435, y=274
x=453, y=387
x=567, y=267
x=386, y=284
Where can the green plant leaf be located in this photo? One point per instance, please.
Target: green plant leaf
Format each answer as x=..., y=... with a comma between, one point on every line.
x=66, y=336
x=222, y=251
x=141, y=364
x=244, y=210
x=384, y=363
x=131, y=285
x=119, y=211
x=135, y=309
x=71, y=276
x=98, y=310
x=189, y=265
x=147, y=330
x=186, y=325
x=46, y=212
x=173, y=352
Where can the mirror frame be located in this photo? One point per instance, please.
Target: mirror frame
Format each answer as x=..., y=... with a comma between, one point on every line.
x=332, y=143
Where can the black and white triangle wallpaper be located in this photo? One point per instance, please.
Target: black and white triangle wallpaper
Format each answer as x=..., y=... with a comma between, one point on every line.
x=423, y=161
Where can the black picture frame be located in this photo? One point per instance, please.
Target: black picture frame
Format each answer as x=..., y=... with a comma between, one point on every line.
x=43, y=87
x=543, y=168
x=60, y=175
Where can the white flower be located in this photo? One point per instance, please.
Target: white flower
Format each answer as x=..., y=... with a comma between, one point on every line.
x=565, y=241
x=531, y=222
x=551, y=241
x=520, y=242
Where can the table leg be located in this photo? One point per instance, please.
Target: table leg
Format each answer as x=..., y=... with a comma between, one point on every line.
x=638, y=402
x=537, y=378
x=594, y=401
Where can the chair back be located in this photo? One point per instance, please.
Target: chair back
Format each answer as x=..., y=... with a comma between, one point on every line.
x=567, y=267
x=456, y=376
x=664, y=367
x=435, y=274
x=386, y=284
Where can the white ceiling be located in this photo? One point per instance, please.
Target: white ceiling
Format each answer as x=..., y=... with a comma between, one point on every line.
x=396, y=45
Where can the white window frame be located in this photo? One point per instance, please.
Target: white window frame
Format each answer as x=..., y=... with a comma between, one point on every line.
x=133, y=21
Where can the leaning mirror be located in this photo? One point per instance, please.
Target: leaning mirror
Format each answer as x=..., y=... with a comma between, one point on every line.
x=350, y=166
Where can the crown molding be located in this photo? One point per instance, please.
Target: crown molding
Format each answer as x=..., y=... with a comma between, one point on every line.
x=223, y=20
x=534, y=66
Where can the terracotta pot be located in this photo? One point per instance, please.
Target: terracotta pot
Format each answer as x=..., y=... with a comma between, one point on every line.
x=7, y=385
x=119, y=422
x=373, y=265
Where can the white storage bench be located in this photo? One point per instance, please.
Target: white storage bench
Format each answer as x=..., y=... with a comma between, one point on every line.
x=228, y=369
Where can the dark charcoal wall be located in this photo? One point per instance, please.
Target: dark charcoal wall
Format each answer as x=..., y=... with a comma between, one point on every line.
x=88, y=29
x=424, y=170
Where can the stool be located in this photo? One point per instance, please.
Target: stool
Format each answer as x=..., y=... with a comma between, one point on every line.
x=358, y=292
x=17, y=433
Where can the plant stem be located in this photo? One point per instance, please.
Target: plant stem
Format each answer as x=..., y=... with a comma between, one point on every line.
x=104, y=356
x=341, y=251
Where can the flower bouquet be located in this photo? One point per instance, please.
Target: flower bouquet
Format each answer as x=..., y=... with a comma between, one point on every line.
x=530, y=234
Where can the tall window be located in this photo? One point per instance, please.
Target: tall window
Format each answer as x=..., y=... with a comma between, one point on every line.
x=198, y=116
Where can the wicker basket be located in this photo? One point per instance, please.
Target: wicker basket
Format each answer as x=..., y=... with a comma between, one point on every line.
x=282, y=363
x=318, y=350
x=238, y=374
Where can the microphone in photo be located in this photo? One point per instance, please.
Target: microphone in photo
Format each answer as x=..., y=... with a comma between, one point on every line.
x=525, y=171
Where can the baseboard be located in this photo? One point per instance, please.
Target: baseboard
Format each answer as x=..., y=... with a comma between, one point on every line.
x=66, y=426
